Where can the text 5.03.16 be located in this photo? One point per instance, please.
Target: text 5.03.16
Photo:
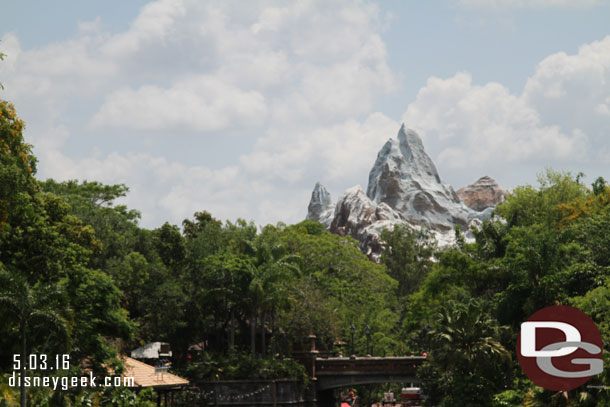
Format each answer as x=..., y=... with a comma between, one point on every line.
x=41, y=362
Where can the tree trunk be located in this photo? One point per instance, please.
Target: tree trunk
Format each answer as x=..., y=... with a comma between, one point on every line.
x=24, y=359
x=273, y=347
x=263, y=345
x=253, y=334
x=232, y=332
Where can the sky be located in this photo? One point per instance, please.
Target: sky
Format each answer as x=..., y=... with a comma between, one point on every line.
x=240, y=107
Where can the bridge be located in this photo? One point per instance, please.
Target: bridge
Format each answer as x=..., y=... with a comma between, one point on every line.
x=334, y=373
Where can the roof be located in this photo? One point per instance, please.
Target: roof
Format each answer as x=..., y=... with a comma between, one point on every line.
x=144, y=375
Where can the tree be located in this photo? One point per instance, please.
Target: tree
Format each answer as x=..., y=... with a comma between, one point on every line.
x=220, y=295
x=526, y=205
x=355, y=288
x=466, y=356
x=599, y=186
x=408, y=256
x=115, y=226
x=311, y=311
x=202, y=221
x=170, y=245
x=43, y=244
x=99, y=318
x=274, y=269
x=19, y=206
x=33, y=309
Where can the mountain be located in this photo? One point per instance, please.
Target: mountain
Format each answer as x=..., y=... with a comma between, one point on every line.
x=482, y=194
x=321, y=209
x=356, y=215
x=404, y=188
x=405, y=178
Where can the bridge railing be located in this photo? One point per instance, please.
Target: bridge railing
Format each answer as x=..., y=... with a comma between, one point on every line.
x=396, y=364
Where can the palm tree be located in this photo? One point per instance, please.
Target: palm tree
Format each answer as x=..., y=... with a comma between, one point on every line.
x=224, y=280
x=268, y=286
x=466, y=356
x=465, y=333
x=32, y=308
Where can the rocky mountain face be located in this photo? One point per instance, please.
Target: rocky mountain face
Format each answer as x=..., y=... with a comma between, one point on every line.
x=404, y=188
x=405, y=178
x=482, y=194
x=321, y=209
x=356, y=215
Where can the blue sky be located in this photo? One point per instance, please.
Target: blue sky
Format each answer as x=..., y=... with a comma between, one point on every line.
x=239, y=107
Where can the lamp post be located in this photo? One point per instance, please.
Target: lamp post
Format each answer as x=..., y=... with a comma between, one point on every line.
x=368, y=340
x=353, y=331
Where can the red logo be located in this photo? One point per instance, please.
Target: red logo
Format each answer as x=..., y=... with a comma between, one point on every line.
x=560, y=348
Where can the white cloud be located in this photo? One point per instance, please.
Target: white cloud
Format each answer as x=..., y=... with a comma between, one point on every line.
x=480, y=125
x=170, y=191
x=296, y=81
x=11, y=48
x=154, y=24
x=560, y=119
x=603, y=109
x=86, y=27
x=309, y=61
x=572, y=90
x=342, y=153
x=296, y=84
x=160, y=189
x=201, y=103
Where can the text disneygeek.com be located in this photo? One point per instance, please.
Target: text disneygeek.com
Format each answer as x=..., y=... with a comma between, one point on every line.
x=42, y=363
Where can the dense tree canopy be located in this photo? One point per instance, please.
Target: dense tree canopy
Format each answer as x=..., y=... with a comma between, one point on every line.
x=44, y=250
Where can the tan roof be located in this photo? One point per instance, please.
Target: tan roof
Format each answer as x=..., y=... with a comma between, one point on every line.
x=144, y=375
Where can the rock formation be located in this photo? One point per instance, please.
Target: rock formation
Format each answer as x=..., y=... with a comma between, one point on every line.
x=405, y=178
x=482, y=194
x=356, y=215
x=404, y=188
x=321, y=208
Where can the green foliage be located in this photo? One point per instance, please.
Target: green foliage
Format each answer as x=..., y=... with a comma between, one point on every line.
x=357, y=289
x=34, y=310
x=466, y=360
x=8, y=395
x=552, y=249
x=170, y=245
x=526, y=205
x=203, y=220
x=52, y=300
x=408, y=256
x=122, y=397
x=508, y=398
x=219, y=294
x=599, y=186
x=93, y=203
x=491, y=239
x=243, y=366
x=98, y=316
